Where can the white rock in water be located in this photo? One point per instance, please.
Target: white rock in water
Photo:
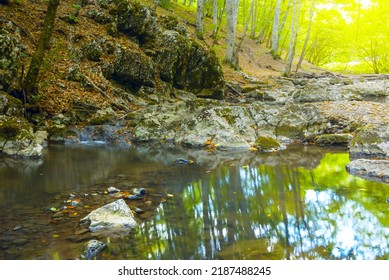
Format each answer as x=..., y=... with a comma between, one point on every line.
x=113, y=216
x=113, y=190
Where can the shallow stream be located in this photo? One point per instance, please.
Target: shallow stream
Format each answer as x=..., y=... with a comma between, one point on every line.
x=299, y=203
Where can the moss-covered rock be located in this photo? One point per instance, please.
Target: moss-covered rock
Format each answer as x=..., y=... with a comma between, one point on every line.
x=105, y=116
x=136, y=20
x=17, y=138
x=10, y=105
x=188, y=65
x=334, y=139
x=371, y=142
x=267, y=144
x=60, y=133
x=11, y=50
x=133, y=68
x=93, y=50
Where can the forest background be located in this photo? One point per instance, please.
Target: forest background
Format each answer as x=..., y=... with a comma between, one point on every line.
x=348, y=36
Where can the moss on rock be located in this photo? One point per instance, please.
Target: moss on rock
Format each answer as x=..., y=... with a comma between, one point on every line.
x=12, y=128
x=264, y=143
x=334, y=139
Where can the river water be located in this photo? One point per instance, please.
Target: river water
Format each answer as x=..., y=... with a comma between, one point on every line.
x=299, y=203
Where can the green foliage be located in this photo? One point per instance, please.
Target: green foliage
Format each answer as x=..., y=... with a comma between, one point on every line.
x=347, y=36
x=165, y=4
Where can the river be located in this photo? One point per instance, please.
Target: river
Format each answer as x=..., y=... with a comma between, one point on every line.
x=299, y=203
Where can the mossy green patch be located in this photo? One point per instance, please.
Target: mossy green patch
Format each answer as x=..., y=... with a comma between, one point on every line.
x=366, y=137
x=228, y=114
x=334, y=139
x=290, y=131
x=266, y=144
x=99, y=120
x=15, y=129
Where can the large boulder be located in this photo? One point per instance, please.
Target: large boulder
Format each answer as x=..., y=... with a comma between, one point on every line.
x=189, y=66
x=136, y=20
x=371, y=142
x=195, y=123
x=133, y=68
x=113, y=217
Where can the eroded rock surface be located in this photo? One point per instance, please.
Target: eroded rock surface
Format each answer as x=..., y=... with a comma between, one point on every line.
x=375, y=170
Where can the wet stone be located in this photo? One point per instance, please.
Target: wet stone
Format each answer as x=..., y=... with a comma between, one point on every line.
x=92, y=249
x=58, y=215
x=81, y=231
x=13, y=253
x=138, y=210
x=133, y=197
x=113, y=190
x=78, y=238
x=17, y=227
x=20, y=241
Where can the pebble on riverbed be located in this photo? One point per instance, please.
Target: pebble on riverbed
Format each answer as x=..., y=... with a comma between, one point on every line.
x=112, y=190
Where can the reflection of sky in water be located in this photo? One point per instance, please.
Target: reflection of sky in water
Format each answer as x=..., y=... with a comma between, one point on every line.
x=353, y=231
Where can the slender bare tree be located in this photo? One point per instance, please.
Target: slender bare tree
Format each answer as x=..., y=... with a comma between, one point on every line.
x=199, y=19
x=307, y=36
x=232, y=7
x=275, y=33
x=293, y=37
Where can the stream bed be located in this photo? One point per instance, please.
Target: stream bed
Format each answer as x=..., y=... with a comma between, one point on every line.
x=299, y=203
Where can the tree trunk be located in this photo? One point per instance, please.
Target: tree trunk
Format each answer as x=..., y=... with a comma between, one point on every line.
x=214, y=17
x=219, y=21
x=199, y=19
x=231, y=16
x=275, y=34
x=31, y=80
x=254, y=22
x=239, y=44
x=306, y=37
x=293, y=37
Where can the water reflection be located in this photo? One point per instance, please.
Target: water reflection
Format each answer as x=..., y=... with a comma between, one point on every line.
x=275, y=212
x=296, y=204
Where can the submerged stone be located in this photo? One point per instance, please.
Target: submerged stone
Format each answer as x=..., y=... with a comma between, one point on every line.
x=92, y=248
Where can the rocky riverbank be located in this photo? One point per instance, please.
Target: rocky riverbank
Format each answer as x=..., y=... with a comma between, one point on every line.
x=143, y=77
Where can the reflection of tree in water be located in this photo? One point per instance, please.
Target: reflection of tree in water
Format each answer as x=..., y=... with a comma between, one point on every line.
x=270, y=212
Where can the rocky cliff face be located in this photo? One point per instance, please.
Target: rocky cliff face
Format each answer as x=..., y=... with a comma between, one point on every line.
x=163, y=55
